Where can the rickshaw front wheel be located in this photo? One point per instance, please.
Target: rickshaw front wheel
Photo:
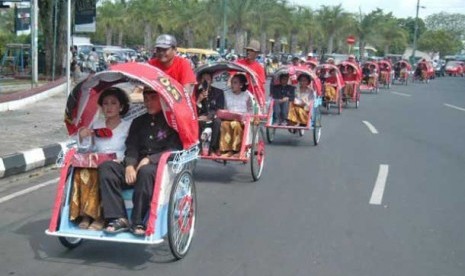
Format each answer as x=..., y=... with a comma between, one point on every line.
x=257, y=156
x=270, y=132
x=317, y=129
x=70, y=243
x=182, y=212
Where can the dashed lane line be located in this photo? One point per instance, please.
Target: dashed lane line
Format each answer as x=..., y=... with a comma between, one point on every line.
x=380, y=184
x=370, y=127
x=401, y=94
x=454, y=107
x=28, y=190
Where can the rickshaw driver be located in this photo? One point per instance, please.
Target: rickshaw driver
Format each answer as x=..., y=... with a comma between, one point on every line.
x=253, y=49
x=149, y=137
x=175, y=66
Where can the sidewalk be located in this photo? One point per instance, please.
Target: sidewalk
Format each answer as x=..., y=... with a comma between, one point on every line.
x=30, y=135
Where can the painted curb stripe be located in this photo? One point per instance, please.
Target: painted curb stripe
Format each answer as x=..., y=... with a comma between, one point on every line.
x=34, y=158
x=2, y=168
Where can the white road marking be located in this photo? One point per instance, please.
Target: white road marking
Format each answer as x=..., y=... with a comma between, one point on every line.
x=455, y=107
x=378, y=190
x=370, y=127
x=401, y=94
x=28, y=190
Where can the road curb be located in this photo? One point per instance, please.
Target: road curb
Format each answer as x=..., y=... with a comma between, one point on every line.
x=24, y=161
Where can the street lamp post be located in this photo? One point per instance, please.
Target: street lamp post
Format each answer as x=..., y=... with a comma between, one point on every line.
x=415, y=33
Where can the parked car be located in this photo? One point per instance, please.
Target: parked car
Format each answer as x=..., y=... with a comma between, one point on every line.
x=455, y=68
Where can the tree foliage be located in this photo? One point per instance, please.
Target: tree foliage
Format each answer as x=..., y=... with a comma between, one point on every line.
x=454, y=23
x=440, y=41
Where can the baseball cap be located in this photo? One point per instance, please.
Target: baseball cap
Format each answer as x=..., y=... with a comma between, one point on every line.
x=165, y=41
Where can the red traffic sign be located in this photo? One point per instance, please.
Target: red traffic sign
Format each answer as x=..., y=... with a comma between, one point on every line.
x=350, y=40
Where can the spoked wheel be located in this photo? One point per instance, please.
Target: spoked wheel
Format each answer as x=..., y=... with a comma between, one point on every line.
x=317, y=128
x=182, y=213
x=339, y=104
x=270, y=132
x=257, y=154
x=70, y=243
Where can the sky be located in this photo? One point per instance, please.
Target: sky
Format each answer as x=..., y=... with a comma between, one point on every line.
x=399, y=8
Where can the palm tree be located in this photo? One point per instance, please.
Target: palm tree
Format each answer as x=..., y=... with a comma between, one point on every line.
x=392, y=34
x=333, y=21
x=240, y=16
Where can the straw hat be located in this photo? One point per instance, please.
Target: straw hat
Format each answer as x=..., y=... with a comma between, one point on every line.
x=254, y=45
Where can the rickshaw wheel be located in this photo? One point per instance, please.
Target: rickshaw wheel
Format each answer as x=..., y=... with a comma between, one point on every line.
x=182, y=213
x=70, y=243
x=339, y=104
x=270, y=132
x=317, y=129
x=257, y=156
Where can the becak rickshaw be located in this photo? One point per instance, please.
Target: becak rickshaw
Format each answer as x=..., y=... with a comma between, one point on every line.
x=173, y=206
x=244, y=127
x=352, y=76
x=402, y=70
x=370, y=81
x=385, y=71
x=331, y=79
x=304, y=110
x=311, y=64
x=424, y=71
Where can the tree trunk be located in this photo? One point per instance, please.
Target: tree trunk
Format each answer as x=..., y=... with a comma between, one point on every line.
x=148, y=36
x=188, y=37
x=310, y=44
x=277, y=43
x=263, y=45
x=239, y=45
x=62, y=39
x=120, y=38
x=362, y=50
x=293, y=46
x=108, y=35
x=330, y=43
x=386, y=49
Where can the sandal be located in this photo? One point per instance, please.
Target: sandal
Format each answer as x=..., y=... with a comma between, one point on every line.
x=85, y=222
x=96, y=225
x=118, y=225
x=138, y=230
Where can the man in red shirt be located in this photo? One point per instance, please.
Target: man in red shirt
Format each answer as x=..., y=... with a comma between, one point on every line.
x=253, y=49
x=175, y=66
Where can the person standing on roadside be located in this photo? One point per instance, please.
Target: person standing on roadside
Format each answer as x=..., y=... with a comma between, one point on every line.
x=165, y=59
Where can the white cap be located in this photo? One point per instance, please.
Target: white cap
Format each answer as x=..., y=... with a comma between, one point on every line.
x=310, y=54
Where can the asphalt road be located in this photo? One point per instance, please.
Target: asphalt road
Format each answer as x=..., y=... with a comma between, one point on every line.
x=310, y=214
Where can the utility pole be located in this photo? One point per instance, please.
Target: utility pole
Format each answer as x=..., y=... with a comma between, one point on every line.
x=415, y=33
x=34, y=44
x=225, y=29
x=68, y=52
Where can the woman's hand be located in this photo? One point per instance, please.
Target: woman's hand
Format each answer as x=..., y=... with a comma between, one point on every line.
x=85, y=132
x=130, y=175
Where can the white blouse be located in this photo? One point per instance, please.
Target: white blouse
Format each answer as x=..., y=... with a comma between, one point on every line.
x=114, y=144
x=240, y=103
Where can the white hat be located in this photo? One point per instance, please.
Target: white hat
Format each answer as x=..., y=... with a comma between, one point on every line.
x=310, y=54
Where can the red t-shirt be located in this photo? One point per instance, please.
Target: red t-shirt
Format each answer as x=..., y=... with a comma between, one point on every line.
x=179, y=70
x=257, y=68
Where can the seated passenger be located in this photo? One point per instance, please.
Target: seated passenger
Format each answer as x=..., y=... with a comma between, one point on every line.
x=237, y=100
x=350, y=76
x=365, y=73
x=282, y=93
x=209, y=100
x=299, y=108
x=85, y=204
x=149, y=137
x=331, y=84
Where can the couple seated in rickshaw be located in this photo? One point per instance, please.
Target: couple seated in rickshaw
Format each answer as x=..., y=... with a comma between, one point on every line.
x=97, y=202
x=369, y=74
x=220, y=114
x=330, y=80
x=291, y=104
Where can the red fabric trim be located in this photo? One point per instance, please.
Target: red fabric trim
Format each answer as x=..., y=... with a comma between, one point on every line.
x=60, y=188
x=156, y=194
